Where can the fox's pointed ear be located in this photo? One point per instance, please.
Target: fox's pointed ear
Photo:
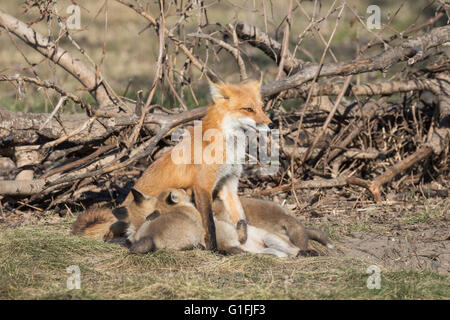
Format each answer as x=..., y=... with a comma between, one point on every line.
x=215, y=86
x=120, y=213
x=212, y=78
x=139, y=197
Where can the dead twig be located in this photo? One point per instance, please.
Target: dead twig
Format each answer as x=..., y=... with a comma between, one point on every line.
x=58, y=55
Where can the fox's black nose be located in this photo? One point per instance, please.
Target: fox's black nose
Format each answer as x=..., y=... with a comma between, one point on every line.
x=271, y=125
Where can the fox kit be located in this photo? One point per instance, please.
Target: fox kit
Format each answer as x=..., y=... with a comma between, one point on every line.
x=101, y=223
x=235, y=108
x=178, y=228
x=274, y=219
x=257, y=240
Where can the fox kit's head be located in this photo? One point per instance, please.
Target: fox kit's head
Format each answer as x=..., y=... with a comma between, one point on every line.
x=240, y=104
x=170, y=198
x=144, y=205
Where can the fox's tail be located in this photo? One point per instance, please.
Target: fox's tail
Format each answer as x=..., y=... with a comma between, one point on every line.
x=319, y=236
x=98, y=223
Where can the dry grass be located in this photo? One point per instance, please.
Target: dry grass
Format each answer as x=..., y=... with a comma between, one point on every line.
x=34, y=260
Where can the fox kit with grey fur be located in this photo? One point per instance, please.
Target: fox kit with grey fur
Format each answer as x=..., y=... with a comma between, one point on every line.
x=257, y=240
x=102, y=223
x=282, y=228
x=177, y=226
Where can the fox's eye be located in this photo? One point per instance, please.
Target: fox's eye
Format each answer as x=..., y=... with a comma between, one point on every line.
x=248, y=110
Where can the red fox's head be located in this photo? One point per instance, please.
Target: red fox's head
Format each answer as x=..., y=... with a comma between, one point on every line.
x=240, y=105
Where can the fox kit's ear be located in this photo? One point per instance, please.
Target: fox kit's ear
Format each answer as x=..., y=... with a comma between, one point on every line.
x=139, y=197
x=215, y=87
x=173, y=198
x=120, y=213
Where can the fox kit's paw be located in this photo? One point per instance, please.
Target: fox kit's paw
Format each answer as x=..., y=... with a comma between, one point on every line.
x=144, y=245
x=307, y=253
x=234, y=250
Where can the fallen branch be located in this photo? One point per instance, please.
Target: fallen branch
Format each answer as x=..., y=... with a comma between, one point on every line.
x=234, y=51
x=311, y=184
x=328, y=120
x=408, y=49
x=395, y=170
x=314, y=184
x=439, y=136
x=368, y=89
x=25, y=128
x=59, y=56
x=272, y=48
x=21, y=187
x=369, y=110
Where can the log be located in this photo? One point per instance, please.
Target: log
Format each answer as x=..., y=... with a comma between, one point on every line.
x=18, y=128
x=21, y=187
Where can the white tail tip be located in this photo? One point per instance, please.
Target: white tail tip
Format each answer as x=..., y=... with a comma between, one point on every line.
x=330, y=246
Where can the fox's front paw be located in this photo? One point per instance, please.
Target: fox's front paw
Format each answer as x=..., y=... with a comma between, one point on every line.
x=210, y=242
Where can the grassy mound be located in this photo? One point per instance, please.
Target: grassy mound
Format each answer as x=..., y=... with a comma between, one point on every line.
x=34, y=259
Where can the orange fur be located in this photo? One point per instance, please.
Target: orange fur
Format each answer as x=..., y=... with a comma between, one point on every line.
x=97, y=223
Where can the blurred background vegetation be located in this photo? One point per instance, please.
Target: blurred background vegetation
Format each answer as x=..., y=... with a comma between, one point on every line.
x=132, y=47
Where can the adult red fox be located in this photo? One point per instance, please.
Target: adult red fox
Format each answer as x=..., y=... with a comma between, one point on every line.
x=235, y=109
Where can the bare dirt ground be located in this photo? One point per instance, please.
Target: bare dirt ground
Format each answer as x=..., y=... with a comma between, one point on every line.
x=412, y=234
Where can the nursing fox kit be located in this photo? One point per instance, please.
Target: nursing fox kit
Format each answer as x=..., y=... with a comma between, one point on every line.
x=172, y=222
x=272, y=230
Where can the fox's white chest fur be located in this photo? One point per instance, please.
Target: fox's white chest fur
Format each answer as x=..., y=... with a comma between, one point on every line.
x=231, y=168
x=228, y=175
